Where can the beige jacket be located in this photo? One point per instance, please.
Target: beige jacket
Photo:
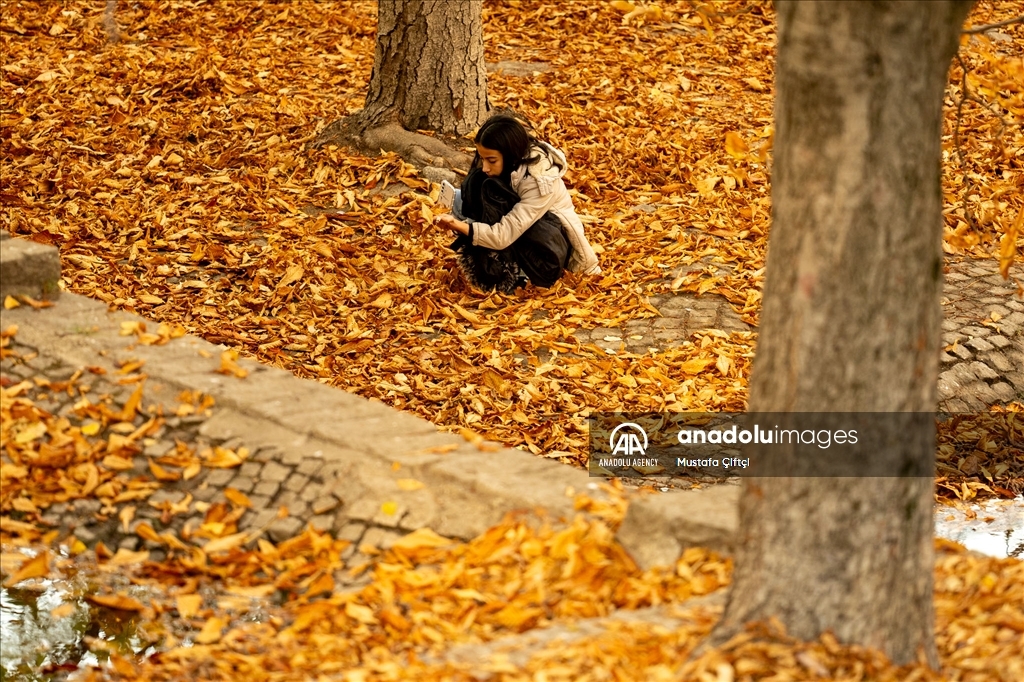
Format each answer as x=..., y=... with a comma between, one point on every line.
x=541, y=189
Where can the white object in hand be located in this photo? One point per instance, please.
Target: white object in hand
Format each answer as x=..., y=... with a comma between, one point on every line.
x=447, y=196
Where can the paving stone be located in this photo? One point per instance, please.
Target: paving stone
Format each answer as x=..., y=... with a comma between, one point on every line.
x=733, y=324
x=351, y=532
x=707, y=304
x=310, y=466
x=1015, y=317
x=949, y=338
x=158, y=449
x=322, y=522
x=955, y=405
x=950, y=325
x=264, y=455
x=363, y=509
x=256, y=519
x=243, y=484
x=976, y=331
x=219, y=477
x=1014, y=305
x=1008, y=327
x=205, y=493
x=962, y=351
x=1004, y=392
x=980, y=345
x=379, y=538
x=296, y=482
x=291, y=457
x=165, y=495
x=250, y=469
x=267, y=488
x=998, y=361
x=291, y=502
x=979, y=395
x=700, y=320
x=129, y=542
x=945, y=358
x=311, y=492
x=1000, y=310
x=86, y=507
x=324, y=504
x=261, y=502
x=999, y=341
x=272, y=471
x=982, y=371
x=283, y=529
x=85, y=534
x=667, y=337
x=963, y=373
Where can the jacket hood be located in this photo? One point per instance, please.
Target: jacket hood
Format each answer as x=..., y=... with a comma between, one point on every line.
x=546, y=170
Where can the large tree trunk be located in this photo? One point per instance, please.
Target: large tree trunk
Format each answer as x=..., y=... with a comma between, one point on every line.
x=428, y=74
x=428, y=69
x=851, y=321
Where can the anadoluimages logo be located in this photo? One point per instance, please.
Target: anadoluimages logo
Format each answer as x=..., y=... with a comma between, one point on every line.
x=628, y=442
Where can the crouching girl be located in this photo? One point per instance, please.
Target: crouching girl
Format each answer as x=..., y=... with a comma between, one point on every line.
x=515, y=218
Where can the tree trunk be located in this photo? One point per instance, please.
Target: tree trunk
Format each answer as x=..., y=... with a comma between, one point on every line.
x=850, y=322
x=428, y=69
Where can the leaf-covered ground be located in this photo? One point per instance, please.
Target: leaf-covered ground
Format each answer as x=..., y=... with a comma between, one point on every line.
x=172, y=170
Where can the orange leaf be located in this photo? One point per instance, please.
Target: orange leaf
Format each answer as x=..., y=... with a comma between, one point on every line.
x=225, y=543
x=128, y=413
x=1008, y=246
x=211, y=631
x=188, y=604
x=735, y=146
x=162, y=474
x=36, y=567
x=121, y=602
x=237, y=497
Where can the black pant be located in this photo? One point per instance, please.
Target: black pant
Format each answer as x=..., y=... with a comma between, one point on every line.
x=542, y=252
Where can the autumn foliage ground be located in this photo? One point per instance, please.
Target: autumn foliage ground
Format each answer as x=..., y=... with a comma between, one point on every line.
x=173, y=171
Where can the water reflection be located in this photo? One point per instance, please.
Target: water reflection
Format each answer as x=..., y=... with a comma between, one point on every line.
x=48, y=629
x=992, y=527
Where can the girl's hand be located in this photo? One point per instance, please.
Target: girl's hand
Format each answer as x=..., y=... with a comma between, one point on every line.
x=449, y=221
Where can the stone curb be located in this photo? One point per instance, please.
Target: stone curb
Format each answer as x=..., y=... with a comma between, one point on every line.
x=658, y=528
x=28, y=268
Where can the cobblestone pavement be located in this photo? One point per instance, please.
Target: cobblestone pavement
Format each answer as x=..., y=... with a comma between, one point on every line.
x=983, y=335
x=300, y=453
x=982, y=363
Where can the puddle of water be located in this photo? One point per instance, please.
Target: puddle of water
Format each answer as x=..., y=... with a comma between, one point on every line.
x=48, y=629
x=996, y=529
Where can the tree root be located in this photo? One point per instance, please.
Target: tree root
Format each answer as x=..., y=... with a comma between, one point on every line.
x=419, y=150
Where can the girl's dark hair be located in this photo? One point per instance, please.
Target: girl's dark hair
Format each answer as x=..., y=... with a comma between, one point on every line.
x=504, y=133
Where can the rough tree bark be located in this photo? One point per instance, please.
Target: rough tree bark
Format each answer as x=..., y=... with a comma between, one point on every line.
x=428, y=74
x=850, y=321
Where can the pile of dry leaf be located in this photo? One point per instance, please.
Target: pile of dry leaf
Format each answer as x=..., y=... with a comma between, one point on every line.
x=172, y=170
